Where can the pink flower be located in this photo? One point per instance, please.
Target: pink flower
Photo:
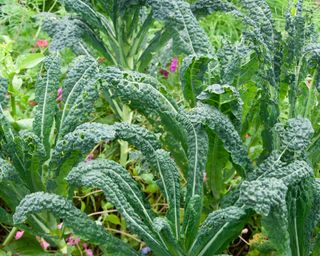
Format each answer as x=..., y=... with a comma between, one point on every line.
x=60, y=225
x=174, y=65
x=71, y=240
x=19, y=234
x=164, y=72
x=42, y=43
x=43, y=243
x=89, y=157
x=89, y=252
x=59, y=98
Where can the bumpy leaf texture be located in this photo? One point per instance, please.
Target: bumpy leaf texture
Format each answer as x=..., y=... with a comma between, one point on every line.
x=296, y=134
x=218, y=230
x=3, y=92
x=75, y=145
x=160, y=160
x=224, y=129
x=79, y=93
x=122, y=191
x=73, y=218
x=145, y=94
x=197, y=157
x=46, y=92
x=206, y=7
x=227, y=99
x=192, y=75
x=188, y=36
x=65, y=32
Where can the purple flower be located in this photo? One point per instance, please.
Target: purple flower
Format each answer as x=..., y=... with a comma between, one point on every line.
x=164, y=72
x=145, y=250
x=59, y=98
x=71, y=240
x=174, y=65
x=89, y=252
x=89, y=157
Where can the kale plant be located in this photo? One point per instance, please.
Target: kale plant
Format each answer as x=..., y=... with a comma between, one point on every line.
x=282, y=189
x=28, y=157
x=204, y=135
x=126, y=33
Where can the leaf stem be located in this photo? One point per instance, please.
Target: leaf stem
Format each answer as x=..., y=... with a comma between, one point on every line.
x=124, y=146
x=10, y=236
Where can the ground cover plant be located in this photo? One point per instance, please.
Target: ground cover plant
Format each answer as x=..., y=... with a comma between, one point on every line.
x=236, y=149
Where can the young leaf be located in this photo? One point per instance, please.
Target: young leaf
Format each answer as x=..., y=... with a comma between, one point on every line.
x=197, y=157
x=188, y=36
x=78, y=94
x=218, y=230
x=192, y=75
x=46, y=93
x=224, y=129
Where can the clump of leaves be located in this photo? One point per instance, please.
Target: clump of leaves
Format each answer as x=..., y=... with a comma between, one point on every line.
x=280, y=186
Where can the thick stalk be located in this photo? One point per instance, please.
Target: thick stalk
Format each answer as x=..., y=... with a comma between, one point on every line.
x=293, y=90
x=124, y=146
x=10, y=236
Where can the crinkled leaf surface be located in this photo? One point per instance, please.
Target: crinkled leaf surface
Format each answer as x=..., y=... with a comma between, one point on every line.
x=188, y=36
x=73, y=218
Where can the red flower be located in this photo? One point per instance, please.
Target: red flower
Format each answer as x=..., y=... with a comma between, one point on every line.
x=42, y=43
x=164, y=72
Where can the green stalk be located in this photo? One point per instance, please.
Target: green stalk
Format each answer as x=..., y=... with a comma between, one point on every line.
x=10, y=236
x=141, y=36
x=12, y=102
x=124, y=146
x=293, y=90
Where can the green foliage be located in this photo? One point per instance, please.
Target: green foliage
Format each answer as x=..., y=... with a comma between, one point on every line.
x=122, y=29
x=72, y=217
x=275, y=187
x=47, y=87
